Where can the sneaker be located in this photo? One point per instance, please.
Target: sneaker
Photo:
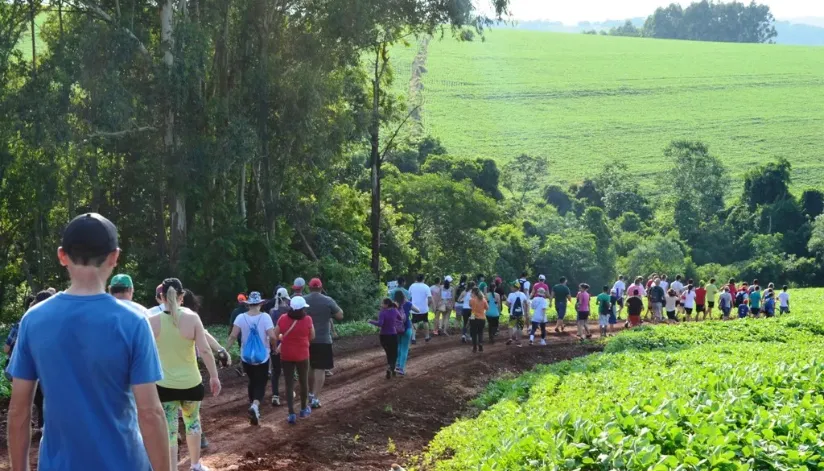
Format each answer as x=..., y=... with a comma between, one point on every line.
x=543, y=343
x=275, y=401
x=427, y=339
x=413, y=342
x=199, y=467
x=254, y=415
x=400, y=372
x=292, y=419
x=480, y=348
x=315, y=404
x=203, y=443
x=531, y=342
x=304, y=413
x=328, y=373
x=388, y=373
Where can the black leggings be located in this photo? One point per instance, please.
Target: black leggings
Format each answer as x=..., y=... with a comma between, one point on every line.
x=476, y=330
x=535, y=326
x=390, y=346
x=275, y=373
x=258, y=377
x=38, y=404
x=289, y=368
x=493, y=327
x=465, y=313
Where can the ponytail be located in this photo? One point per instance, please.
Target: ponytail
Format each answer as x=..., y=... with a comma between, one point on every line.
x=171, y=288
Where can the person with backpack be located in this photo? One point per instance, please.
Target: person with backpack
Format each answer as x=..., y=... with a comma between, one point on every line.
x=295, y=330
x=562, y=295
x=280, y=306
x=405, y=337
x=448, y=303
x=389, y=322
x=257, y=332
x=177, y=332
x=725, y=303
x=518, y=309
x=524, y=284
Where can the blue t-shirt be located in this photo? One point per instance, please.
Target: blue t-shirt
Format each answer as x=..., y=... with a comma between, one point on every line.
x=743, y=310
x=87, y=352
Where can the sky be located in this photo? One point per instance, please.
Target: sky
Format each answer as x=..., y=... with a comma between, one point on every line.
x=573, y=11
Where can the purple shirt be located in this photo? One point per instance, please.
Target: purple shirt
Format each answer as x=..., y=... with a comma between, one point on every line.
x=388, y=321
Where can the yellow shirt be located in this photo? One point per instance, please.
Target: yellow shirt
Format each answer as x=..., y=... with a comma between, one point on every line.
x=177, y=357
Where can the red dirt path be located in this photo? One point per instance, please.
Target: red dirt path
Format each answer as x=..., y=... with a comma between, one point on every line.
x=362, y=410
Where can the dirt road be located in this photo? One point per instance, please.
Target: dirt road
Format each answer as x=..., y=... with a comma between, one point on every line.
x=367, y=422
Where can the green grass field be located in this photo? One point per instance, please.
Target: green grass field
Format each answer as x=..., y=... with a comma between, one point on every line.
x=585, y=101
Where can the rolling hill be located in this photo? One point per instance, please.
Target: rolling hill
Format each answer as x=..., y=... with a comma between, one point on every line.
x=585, y=101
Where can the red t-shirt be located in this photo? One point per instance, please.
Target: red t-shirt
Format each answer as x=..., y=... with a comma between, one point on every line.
x=649, y=284
x=700, y=296
x=295, y=346
x=540, y=285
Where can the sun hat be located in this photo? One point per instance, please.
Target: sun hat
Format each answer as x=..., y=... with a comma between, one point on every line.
x=297, y=303
x=541, y=292
x=315, y=283
x=254, y=299
x=122, y=281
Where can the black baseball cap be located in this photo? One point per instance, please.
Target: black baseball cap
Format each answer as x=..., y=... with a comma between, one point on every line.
x=89, y=236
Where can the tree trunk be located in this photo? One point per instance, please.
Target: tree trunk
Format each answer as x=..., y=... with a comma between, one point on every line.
x=33, y=39
x=241, y=192
x=375, y=166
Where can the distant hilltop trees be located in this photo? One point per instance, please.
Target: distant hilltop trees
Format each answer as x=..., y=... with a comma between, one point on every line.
x=704, y=21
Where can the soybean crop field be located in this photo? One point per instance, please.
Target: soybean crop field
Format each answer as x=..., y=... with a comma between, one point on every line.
x=586, y=101
x=737, y=395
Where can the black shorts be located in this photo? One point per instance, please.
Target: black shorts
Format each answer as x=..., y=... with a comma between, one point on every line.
x=320, y=356
x=671, y=315
x=688, y=310
x=621, y=301
x=418, y=318
x=172, y=395
x=755, y=311
x=711, y=304
x=699, y=308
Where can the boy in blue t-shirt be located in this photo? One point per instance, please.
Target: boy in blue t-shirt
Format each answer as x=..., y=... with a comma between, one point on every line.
x=98, y=385
x=743, y=310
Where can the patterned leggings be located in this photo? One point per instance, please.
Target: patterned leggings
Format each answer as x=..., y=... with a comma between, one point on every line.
x=191, y=418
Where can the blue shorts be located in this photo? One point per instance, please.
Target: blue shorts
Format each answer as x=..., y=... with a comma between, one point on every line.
x=560, y=308
x=612, y=319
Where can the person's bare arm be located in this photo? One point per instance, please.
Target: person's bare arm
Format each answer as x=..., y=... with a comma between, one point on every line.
x=312, y=333
x=273, y=339
x=213, y=343
x=338, y=315
x=232, y=337
x=6, y=349
x=207, y=355
x=19, y=423
x=153, y=426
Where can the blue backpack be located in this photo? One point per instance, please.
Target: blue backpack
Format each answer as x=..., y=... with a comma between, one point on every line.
x=254, y=352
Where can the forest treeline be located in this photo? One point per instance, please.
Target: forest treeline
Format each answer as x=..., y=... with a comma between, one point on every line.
x=704, y=21
x=238, y=145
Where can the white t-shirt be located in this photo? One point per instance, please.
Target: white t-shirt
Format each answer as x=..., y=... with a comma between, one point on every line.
x=678, y=287
x=526, y=286
x=156, y=310
x=262, y=321
x=467, y=296
x=689, y=299
x=510, y=300
x=137, y=307
x=620, y=288
x=670, y=305
x=664, y=284
x=539, y=305
x=725, y=300
x=784, y=298
x=420, y=294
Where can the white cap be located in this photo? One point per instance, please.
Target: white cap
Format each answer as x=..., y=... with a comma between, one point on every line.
x=299, y=282
x=447, y=278
x=542, y=277
x=298, y=303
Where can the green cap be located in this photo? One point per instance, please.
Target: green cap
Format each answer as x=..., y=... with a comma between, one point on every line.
x=515, y=284
x=124, y=281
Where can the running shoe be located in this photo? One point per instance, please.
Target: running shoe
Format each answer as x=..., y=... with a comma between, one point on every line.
x=543, y=343
x=328, y=373
x=400, y=372
x=292, y=419
x=531, y=342
x=199, y=467
x=254, y=415
x=427, y=339
x=463, y=338
x=275, y=401
x=480, y=348
x=203, y=443
x=304, y=413
x=315, y=403
x=413, y=342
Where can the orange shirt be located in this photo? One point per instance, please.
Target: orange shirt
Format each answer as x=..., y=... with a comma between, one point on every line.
x=479, y=307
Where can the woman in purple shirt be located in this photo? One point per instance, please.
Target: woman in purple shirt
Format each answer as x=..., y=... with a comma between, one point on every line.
x=390, y=322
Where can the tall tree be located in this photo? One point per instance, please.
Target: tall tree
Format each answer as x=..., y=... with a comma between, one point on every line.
x=524, y=174
x=698, y=178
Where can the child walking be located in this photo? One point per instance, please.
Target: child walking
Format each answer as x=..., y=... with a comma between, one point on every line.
x=604, y=309
x=725, y=303
x=784, y=301
x=405, y=338
x=390, y=321
x=583, y=311
x=478, y=305
x=539, y=306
